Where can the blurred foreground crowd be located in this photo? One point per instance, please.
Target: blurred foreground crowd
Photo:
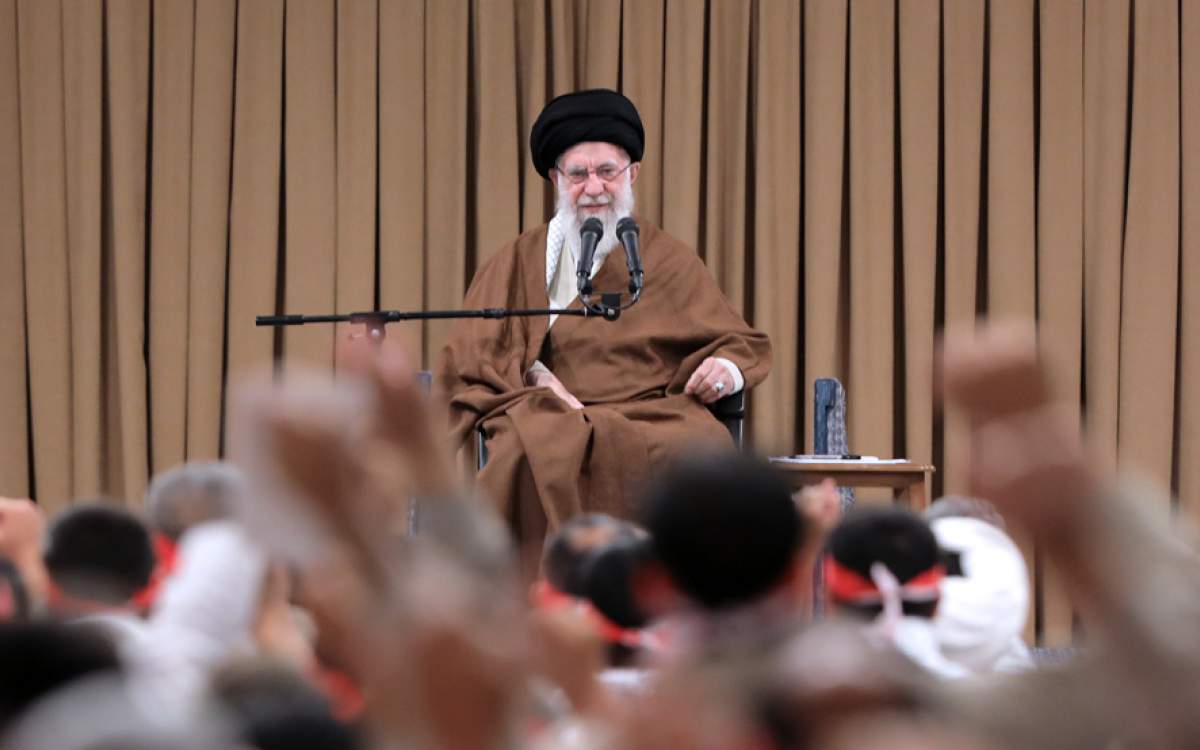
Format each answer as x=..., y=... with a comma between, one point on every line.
x=336, y=585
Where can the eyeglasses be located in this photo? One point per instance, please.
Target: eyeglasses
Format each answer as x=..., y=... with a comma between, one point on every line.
x=578, y=175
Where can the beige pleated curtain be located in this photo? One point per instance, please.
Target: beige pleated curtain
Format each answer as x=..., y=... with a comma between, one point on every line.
x=856, y=174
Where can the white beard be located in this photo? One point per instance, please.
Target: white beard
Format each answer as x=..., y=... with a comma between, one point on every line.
x=620, y=206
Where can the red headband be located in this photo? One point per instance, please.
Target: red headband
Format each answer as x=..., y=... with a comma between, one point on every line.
x=546, y=597
x=851, y=587
x=166, y=553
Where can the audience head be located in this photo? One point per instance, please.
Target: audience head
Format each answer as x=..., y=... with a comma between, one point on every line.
x=873, y=548
x=725, y=529
x=568, y=549
x=609, y=576
x=595, y=558
x=830, y=676
x=195, y=492
x=37, y=658
x=985, y=595
x=274, y=708
x=99, y=553
x=106, y=711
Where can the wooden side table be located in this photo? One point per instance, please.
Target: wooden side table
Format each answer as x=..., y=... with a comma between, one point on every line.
x=914, y=480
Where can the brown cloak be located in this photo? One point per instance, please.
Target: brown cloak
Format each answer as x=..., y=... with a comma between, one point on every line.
x=548, y=462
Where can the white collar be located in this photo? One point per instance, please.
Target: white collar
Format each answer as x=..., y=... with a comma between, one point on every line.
x=555, y=240
x=557, y=245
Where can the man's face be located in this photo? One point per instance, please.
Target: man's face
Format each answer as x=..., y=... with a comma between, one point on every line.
x=593, y=195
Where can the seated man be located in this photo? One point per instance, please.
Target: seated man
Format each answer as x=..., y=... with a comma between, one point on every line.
x=576, y=410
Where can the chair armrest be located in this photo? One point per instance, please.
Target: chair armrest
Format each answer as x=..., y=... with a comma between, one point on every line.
x=732, y=406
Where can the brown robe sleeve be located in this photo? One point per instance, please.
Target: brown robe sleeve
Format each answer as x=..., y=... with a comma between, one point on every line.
x=483, y=364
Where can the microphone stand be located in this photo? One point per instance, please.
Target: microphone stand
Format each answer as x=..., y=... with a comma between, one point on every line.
x=609, y=307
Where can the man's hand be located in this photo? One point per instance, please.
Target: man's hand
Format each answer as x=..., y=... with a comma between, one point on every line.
x=276, y=632
x=821, y=507
x=405, y=418
x=709, y=382
x=994, y=370
x=545, y=379
x=21, y=525
x=1028, y=456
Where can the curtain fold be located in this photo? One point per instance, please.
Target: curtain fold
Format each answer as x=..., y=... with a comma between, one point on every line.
x=309, y=176
x=1150, y=258
x=170, y=229
x=872, y=251
x=14, y=364
x=403, y=163
x=209, y=233
x=1188, y=383
x=917, y=82
x=44, y=230
x=824, y=304
x=856, y=176
x=499, y=165
x=963, y=29
x=1105, y=103
x=82, y=55
x=684, y=72
x=255, y=186
x=356, y=149
x=1060, y=235
x=1008, y=246
x=447, y=53
x=127, y=31
x=776, y=219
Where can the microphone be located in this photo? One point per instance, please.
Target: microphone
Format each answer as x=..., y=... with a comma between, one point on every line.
x=627, y=232
x=589, y=236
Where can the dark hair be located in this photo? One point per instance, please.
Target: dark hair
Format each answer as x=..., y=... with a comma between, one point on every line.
x=724, y=527
x=99, y=552
x=899, y=539
x=274, y=708
x=607, y=575
x=569, y=547
x=37, y=658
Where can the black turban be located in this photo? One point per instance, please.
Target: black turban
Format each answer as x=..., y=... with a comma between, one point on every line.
x=592, y=115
